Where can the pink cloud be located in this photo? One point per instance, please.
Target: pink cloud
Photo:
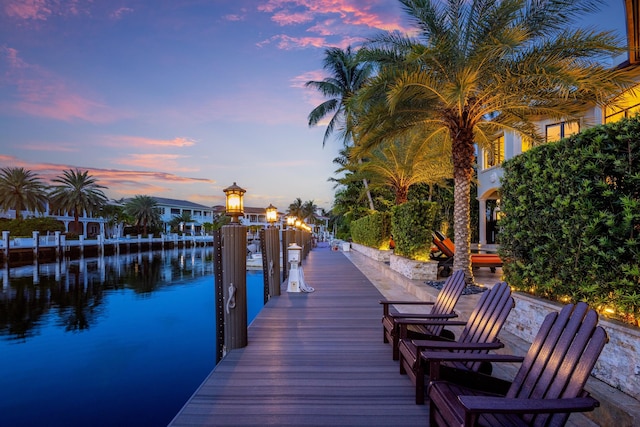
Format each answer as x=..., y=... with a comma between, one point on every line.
x=153, y=161
x=119, y=182
x=138, y=141
x=42, y=10
x=28, y=9
x=39, y=92
x=286, y=42
x=121, y=12
x=347, y=21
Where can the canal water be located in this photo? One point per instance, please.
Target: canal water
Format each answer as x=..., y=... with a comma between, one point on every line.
x=112, y=341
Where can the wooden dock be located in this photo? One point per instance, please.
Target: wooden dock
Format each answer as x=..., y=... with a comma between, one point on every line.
x=313, y=359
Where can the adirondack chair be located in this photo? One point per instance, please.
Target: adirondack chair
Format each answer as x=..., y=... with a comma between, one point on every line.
x=480, y=334
x=444, y=252
x=547, y=388
x=442, y=309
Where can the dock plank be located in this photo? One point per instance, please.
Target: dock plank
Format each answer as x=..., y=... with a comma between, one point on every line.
x=312, y=359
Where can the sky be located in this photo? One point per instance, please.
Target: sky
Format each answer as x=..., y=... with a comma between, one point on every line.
x=180, y=99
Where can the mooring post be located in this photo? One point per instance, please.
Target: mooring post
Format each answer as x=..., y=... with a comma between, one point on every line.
x=5, y=240
x=234, y=274
x=58, y=245
x=36, y=243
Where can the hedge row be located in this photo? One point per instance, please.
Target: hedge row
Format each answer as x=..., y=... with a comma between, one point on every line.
x=571, y=229
x=373, y=230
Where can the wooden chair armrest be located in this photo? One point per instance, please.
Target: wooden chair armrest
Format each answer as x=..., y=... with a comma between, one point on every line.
x=454, y=345
x=435, y=357
x=503, y=405
x=384, y=301
x=427, y=319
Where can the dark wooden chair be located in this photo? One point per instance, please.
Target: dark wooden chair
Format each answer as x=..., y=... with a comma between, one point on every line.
x=445, y=251
x=480, y=334
x=442, y=309
x=547, y=388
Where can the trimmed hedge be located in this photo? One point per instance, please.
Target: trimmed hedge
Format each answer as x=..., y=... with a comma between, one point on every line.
x=373, y=230
x=26, y=227
x=412, y=225
x=571, y=230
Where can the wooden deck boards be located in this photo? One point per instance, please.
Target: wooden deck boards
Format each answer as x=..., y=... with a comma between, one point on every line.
x=312, y=359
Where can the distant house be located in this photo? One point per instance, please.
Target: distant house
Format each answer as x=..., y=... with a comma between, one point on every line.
x=509, y=144
x=171, y=208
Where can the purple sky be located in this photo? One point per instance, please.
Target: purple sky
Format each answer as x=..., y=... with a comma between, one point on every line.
x=181, y=98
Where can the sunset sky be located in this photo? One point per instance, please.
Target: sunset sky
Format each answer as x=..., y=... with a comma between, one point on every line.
x=181, y=98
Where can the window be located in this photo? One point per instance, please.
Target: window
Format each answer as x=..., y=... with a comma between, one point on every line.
x=557, y=131
x=494, y=156
x=175, y=211
x=626, y=105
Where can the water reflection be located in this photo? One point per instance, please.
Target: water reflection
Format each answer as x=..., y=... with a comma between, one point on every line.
x=73, y=291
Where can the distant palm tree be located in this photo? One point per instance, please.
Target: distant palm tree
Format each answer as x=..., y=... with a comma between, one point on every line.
x=295, y=208
x=348, y=75
x=144, y=211
x=309, y=209
x=20, y=189
x=184, y=217
x=77, y=192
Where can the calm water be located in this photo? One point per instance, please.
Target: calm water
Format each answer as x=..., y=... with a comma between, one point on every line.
x=116, y=341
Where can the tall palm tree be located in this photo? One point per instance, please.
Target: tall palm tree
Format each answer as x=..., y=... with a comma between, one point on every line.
x=144, y=210
x=481, y=67
x=77, y=192
x=348, y=75
x=21, y=189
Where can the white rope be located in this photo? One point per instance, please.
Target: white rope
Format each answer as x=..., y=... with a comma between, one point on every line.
x=231, y=301
x=303, y=285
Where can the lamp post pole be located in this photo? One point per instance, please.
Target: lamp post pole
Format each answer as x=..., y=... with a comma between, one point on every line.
x=234, y=271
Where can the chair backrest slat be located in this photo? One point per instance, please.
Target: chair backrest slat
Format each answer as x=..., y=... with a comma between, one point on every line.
x=487, y=318
x=560, y=359
x=448, y=298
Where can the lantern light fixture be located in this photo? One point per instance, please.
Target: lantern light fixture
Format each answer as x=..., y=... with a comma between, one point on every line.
x=235, y=201
x=272, y=214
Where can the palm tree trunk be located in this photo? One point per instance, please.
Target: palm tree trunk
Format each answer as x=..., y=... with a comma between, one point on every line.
x=366, y=188
x=461, y=226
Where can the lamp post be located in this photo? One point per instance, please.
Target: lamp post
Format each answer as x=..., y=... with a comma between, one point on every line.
x=234, y=271
x=235, y=201
x=291, y=221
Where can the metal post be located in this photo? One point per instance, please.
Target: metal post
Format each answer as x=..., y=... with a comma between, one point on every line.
x=234, y=274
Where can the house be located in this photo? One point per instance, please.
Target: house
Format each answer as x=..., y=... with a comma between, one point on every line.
x=171, y=208
x=510, y=145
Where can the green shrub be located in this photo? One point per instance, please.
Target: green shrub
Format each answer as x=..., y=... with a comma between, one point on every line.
x=412, y=225
x=26, y=227
x=571, y=230
x=373, y=230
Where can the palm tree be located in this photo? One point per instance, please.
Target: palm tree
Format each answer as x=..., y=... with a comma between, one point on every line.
x=184, y=218
x=348, y=75
x=309, y=209
x=77, y=192
x=482, y=67
x=295, y=208
x=407, y=160
x=20, y=189
x=144, y=211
